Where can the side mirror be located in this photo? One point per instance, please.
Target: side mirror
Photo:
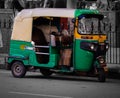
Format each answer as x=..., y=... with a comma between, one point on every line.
x=73, y=20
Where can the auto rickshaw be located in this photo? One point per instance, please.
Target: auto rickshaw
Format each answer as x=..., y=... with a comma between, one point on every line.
x=31, y=48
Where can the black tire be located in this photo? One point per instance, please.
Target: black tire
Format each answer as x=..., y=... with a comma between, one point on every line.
x=101, y=75
x=46, y=72
x=18, y=69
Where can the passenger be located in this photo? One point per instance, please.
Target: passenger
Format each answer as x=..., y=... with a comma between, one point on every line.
x=53, y=39
x=47, y=29
x=65, y=52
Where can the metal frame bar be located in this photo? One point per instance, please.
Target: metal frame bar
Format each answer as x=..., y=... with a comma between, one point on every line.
x=37, y=46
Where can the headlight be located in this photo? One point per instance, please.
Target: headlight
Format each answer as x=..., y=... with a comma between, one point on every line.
x=92, y=47
x=88, y=46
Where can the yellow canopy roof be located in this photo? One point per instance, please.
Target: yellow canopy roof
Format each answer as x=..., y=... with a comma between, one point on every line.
x=22, y=27
x=59, y=12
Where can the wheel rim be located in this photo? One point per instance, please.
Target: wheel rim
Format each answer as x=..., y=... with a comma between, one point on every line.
x=17, y=69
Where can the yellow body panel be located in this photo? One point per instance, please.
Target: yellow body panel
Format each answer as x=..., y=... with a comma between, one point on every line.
x=99, y=38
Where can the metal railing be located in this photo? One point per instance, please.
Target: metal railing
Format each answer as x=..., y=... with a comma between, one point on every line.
x=113, y=54
x=112, y=28
x=39, y=47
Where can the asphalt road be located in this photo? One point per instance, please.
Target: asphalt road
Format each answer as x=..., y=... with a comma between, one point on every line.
x=34, y=85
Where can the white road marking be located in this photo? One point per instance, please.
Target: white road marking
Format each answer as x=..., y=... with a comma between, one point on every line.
x=41, y=95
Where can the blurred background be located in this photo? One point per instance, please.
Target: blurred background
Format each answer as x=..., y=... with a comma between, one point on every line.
x=110, y=8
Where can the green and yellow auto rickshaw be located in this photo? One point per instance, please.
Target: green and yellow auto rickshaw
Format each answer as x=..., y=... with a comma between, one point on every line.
x=31, y=44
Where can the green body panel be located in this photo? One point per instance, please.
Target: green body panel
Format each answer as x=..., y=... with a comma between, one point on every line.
x=85, y=11
x=28, y=56
x=16, y=53
x=82, y=59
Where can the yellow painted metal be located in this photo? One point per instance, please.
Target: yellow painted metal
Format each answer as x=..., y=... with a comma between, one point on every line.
x=99, y=37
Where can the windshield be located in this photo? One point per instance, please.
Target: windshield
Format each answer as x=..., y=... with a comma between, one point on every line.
x=90, y=25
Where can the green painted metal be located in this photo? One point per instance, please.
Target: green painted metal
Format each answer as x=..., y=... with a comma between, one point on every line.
x=82, y=59
x=79, y=12
x=18, y=51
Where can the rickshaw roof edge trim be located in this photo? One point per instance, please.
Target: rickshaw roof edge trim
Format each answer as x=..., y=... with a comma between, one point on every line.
x=53, y=12
x=79, y=12
x=39, y=12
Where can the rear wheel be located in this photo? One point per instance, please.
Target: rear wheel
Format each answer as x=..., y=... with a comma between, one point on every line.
x=101, y=75
x=46, y=72
x=18, y=69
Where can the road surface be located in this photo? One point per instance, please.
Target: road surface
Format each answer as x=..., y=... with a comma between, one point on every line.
x=34, y=85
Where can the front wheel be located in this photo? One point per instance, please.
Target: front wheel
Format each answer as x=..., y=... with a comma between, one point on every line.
x=46, y=72
x=101, y=75
x=18, y=69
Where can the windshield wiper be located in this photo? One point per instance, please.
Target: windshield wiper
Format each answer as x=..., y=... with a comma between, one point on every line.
x=92, y=28
x=99, y=27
